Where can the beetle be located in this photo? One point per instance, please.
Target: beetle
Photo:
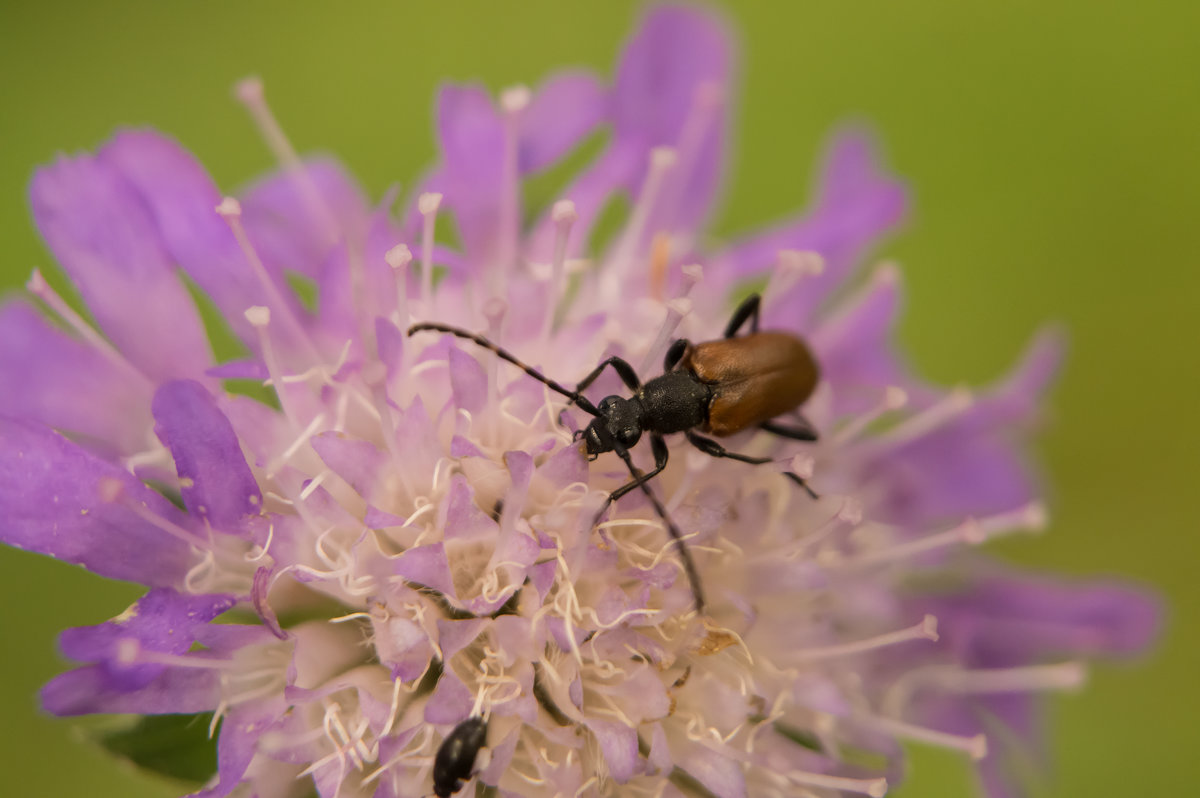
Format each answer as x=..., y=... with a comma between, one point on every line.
x=719, y=387
x=454, y=762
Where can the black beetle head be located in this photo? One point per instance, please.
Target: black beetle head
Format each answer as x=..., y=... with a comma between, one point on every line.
x=619, y=424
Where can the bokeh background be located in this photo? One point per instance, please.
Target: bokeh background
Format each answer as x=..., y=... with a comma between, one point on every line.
x=1054, y=153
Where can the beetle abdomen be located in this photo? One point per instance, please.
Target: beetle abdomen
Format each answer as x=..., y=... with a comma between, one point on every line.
x=754, y=378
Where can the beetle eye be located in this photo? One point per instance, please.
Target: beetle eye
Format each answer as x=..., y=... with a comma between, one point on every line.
x=629, y=436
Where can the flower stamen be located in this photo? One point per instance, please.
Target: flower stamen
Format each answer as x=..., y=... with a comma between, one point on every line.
x=792, y=267
x=427, y=205
x=619, y=265
x=564, y=216
x=513, y=102
x=38, y=286
x=230, y=210
x=249, y=92
x=925, y=630
x=399, y=258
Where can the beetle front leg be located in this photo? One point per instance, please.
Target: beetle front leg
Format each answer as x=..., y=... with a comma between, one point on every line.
x=661, y=453
x=675, y=354
x=619, y=365
x=641, y=481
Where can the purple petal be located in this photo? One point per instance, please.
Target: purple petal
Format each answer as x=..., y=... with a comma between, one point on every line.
x=618, y=743
x=402, y=645
x=182, y=199
x=216, y=482
x=258, y=595
x=565, y=467
x=674, y=74
x=338, y=312
x=971, y=466
x=563, y=110
x=470, y=132
x=241, y=729
x=454, y=636
x=1017, y=399
x=461, y=446
x=52, y=501
x=426, y=565
x=676, y=50
x=502, y=756
x=124, y=650
x=282, y=225
x=591, y=192
x=721, y=775
x=660, y=750
x=239, y=370
x=451, y=701
x=468, y=382
x=471, y=137
x=162, y=620
x=464, y=520
x=520, y=470
x=855, y=349
x=47, y=376
x=857, y=204
x=89, y=690
x=101, y=233
x=375, y=518
x=947, y=476
x=1017, y=618
x=225, y=638
x=543, y=576
x=356, y=461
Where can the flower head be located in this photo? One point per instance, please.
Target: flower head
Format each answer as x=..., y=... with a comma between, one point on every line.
x=403, y=542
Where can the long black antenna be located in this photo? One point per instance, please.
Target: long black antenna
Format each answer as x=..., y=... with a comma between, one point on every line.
x=458, y=332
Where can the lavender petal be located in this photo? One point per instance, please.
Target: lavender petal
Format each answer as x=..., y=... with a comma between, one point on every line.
x=52, y=500
x=217, y=483
x=100, y=231
x=49, y=377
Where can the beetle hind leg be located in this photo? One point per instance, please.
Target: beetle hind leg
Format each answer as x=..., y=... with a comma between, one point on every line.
x=714, y=449
x=803, y=431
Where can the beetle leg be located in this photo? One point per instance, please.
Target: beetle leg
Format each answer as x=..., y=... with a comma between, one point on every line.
x=804, y=431
x=623, y=369
x=660, y=462
x=675, y=354
x=747, y=311
x=640, y=481
x=711, y=447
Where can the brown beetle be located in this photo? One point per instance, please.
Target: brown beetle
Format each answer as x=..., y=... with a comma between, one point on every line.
x=720, y=387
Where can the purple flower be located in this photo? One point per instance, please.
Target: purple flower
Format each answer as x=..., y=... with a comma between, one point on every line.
x=399, y=534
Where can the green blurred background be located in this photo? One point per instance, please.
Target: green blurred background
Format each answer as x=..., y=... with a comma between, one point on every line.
x=1053, y=151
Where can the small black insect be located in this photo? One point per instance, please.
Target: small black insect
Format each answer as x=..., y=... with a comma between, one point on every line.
x=455, y=759
x=720, y=387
